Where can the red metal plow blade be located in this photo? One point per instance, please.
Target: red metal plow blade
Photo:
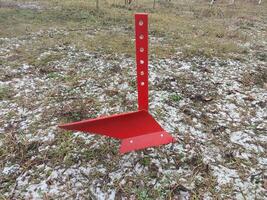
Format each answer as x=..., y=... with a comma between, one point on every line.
x=137, y=130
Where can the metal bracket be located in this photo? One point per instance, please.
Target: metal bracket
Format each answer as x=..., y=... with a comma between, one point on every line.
x=141, y=43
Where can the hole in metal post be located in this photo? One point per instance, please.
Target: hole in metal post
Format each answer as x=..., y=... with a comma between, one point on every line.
x=142, y=83
x=141, y=23
x=142, y=73
x=142, y=62
x=141, y=36
x=141, y=49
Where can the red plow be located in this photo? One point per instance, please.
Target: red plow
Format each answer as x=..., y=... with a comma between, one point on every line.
x=138, y=129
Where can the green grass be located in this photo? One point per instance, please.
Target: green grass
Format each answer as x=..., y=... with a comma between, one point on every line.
x=175, y=98
x=5, y=92
x=195, y=29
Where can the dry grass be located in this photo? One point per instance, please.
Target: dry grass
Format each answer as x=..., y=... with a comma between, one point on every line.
x=194, y=29
x=53, y=39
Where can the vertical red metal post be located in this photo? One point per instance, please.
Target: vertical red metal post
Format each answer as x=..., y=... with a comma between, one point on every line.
x=138, y=129
x=141, y=42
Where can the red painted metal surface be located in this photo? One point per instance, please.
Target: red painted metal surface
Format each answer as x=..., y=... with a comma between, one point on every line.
x=145, y=141
x=137, y=130
x=141, y=44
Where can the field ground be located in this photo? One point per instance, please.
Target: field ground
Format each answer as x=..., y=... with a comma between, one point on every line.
x=62, y=61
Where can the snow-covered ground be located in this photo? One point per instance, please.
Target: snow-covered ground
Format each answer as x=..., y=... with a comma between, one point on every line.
x=218, y=119
x=216, y=108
